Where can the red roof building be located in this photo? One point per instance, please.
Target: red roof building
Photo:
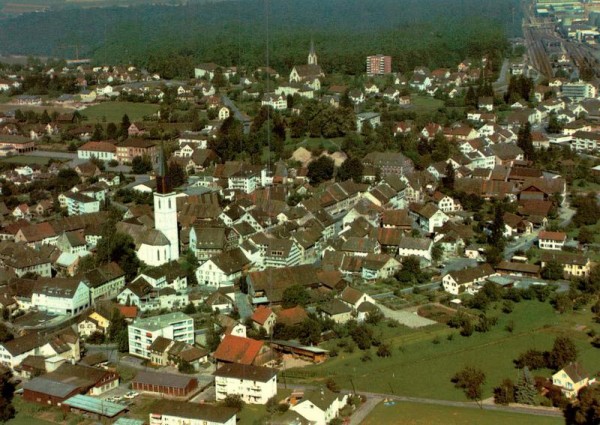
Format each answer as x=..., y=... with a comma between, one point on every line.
x=235, y=349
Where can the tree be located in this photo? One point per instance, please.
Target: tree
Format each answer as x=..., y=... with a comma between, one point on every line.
x=321, y=169
x=493, y=255
x=176, y=174
x=112, y=132
x=437, y=253
x=7, y=391
x=586, y=408
x=450, y=177
x=563, y=352
x=471, y=97
x=532, y=359
x=362, y=335
x=470, y=380
x=141, y=165
x=554, y=125
x=66, y=179
x=295, y=295
x=309, y=332
x=586, y=236
x=505, y=392
x=384, y=350
x=351, y=168
x=588, y=211
x=189, y=309
x=552, y=271
x=525, y=141
x=125, y=123
x=525, y=391
x=496, y=237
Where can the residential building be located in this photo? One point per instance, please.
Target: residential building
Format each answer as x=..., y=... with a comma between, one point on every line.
x=578, y=90
x=104, y=151
x=131, y=147
x=254, y=384
x=574, y=265
x=459, y=281
x=571, y=379
x=78, y=203
x=551, y=240
x=142, y=333
x=65, y=296
x=320, y=406
x=167, y=384
x=379, y=65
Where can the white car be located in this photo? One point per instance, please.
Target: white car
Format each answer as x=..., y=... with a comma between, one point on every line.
x=131, y=394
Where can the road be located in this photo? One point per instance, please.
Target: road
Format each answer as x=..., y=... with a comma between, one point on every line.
x=523, y=243
x=501, y=84
x=74, y=161
x=237, y=113
x=364, y=409
x=243, y=305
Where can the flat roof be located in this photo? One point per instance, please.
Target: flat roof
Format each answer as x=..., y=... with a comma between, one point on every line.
x=295, y=344
x=160, y=322
x=95, y=405
x=129, y=421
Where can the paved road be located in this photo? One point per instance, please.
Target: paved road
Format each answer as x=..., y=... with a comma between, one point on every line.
x=523, y=243
x=236, y=112
x=363, y=411
x=501, y=85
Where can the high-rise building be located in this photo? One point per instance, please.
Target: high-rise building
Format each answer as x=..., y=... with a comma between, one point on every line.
x=379, y=65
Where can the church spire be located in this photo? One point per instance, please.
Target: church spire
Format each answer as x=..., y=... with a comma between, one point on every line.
x=312, y=55
x=162, y=178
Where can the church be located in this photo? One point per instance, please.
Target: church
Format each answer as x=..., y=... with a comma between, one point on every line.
x=158, y=245
x=310, y=73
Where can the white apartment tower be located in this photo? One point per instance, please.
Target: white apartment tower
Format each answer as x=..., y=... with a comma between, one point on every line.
x=165, y=210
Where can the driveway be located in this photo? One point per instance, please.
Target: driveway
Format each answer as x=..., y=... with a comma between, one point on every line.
x=364, y=409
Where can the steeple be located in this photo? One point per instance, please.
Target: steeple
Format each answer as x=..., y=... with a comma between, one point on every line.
x=162, y=178
x=312, y=55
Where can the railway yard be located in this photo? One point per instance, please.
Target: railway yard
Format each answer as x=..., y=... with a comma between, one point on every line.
x=548, y=51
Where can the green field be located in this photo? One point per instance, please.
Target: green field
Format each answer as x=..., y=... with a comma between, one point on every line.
x=426, y=414
x=27, y=420
x=28, y=160
x=424, y=104
x=114, y=111
x=422, y=369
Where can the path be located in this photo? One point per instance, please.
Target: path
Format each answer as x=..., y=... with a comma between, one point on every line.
x=243, y=305
x=364, y=410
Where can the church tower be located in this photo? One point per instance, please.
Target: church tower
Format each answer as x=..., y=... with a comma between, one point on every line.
x=165, y=209
x=312, y=56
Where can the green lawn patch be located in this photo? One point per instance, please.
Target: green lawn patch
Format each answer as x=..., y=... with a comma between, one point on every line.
x=426, y=414
x=28, y=160
x=114, y=111
x=421, y=368
x=421, y=103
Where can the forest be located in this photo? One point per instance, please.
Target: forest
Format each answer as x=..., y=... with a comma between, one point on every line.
x=170, y=40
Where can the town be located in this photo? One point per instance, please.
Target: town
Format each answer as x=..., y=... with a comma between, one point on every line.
x=289, y=246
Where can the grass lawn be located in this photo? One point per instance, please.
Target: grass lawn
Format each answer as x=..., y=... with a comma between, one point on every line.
x=420, y=368
x=27, y=420
x=27, y=160
x=420, y=103
x=425, y=414
x=114, y=111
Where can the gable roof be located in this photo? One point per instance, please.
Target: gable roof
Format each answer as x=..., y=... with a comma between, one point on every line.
x=235, y=349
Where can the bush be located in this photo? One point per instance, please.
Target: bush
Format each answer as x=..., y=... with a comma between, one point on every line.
x=233, y=400
x=436, y=340
x=332, y=385
x=384, y=350
x=366, y=357
x=467, y=328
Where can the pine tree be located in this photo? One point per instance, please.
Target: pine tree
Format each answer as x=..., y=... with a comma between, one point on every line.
x=525, y=141
x=496, y=237
x=525, y=390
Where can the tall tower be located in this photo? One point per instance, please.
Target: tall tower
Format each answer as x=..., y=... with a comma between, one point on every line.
x=312, y=56
x=165, y=208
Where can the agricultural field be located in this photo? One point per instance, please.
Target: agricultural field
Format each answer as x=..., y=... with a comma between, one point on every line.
x=27, y=160
x=114, y=111
x=425, y=414
x=423, y=361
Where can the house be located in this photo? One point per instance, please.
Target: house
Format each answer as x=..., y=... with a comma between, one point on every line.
x=167, y=352
x=105, y=281
x=336, y=310
x=78, y=203
x=169, y=412
x=552, y=240
x=64, y=296
x=223, y=269
x=235, y=349
x=275, y=101
x=319, y=406
x=62, y=345
x=419, y=247
x=132, y=147
x=446, y=203
x=166, y=384
x=459, y=281
x=142, y=333
x=428, y=216
x=104, y=151
x=254, y=384
x=292, y=316
x=574, y=265
x=372, y=118
x=379, y=266
x=264, y=318
x=92, y=323
x=571, y=379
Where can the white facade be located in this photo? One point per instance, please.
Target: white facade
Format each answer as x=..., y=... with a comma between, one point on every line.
x=62, y=302
x=210, y=274
x=315, y=415
x=78, y=207
x=251, y=390
x=551, y=244
x=165, y=221
x=102, y=155
x=143, y=332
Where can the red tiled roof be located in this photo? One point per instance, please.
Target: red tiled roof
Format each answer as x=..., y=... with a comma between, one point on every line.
x=128, y=312
x=554, y=236
x=261, y=314
x=235, y=349
x=292, y=316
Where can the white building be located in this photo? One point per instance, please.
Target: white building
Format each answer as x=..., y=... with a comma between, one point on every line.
x=142, y=333
x=552, y=240
x=254, y=384
x=275, y=101
x=78, y=203
x=165, y=218
x=320, y=407
x=65, y=296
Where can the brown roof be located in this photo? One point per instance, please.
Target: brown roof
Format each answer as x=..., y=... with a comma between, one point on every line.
x=553, y=236
x=235, y=349
x=351, y=295
x=470, y=274
x=261, y=314
x=575, y=372
x=162, y=379
x=292, y=316
x=201, y=412
x=248, y=372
